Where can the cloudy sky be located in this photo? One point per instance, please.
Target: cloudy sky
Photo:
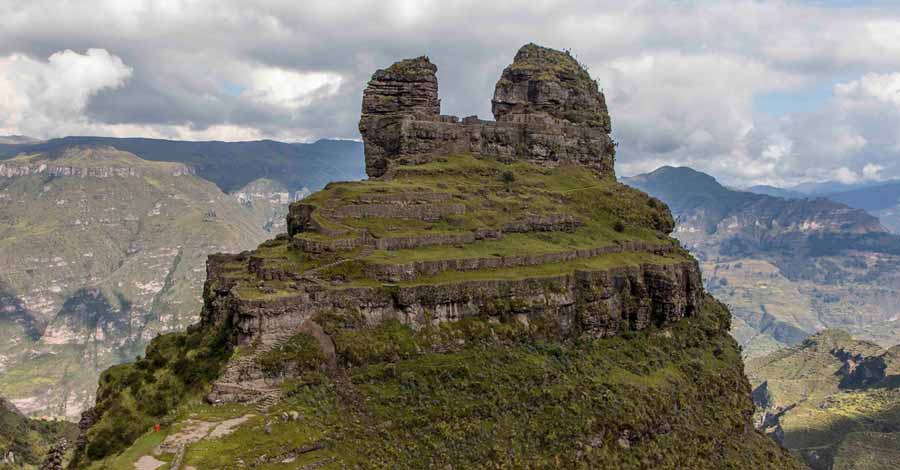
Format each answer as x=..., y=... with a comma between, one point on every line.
x=752, y=92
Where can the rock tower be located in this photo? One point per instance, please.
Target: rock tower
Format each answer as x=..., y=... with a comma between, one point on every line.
x=547, y=108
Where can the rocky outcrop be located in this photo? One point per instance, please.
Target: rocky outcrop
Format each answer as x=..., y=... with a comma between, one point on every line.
x=547, y=110
x=545, y=81
x=55, y=456
x=89, y=417
x=602, y=302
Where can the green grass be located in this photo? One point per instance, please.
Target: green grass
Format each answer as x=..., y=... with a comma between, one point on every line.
x=133, y=397
x=495, y=195
x=598, y=263
x=476, y=394
x=492, y=202
x=144, y=445
x=514, y=244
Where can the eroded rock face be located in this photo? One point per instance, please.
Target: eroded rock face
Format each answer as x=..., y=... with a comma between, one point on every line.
x=409, y=86
x=600, y=303
x=548, y=111
x=550, y=82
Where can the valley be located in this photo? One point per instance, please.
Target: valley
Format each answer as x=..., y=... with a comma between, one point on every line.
x=788, y=268
x=833, y=399
x=102, y=251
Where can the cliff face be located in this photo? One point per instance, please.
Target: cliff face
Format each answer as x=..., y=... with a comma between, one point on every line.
x=547, y=110
x=491, y=295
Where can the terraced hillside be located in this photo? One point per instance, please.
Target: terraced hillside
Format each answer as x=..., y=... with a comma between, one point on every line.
x=492, y=298
x=832, y=399
x=101, y=250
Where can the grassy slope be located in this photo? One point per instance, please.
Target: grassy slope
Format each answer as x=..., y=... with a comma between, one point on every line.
x=28, y=439
x=468, y=394
x=494, y=195
x=479, y=395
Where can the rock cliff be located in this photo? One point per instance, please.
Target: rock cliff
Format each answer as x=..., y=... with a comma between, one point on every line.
x=101, y=251
x=490, y=295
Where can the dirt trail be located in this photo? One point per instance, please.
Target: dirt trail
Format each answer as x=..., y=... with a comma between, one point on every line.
x=147, y=463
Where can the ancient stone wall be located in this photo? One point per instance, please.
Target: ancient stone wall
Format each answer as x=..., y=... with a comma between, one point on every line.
x=548, y=111
x=599, y=301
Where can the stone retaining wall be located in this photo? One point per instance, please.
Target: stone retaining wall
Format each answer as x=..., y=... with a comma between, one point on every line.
x=419, y=269
x=600, y=301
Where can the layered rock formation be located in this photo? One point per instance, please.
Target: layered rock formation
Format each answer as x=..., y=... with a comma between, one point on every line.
x=491, y=294
x=339, y=256
x=547, y=110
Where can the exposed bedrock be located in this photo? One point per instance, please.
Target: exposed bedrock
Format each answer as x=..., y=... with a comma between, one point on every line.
x=600, y=302
x=548, y=111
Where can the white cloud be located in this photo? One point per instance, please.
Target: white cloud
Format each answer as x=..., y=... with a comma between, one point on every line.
x=688, y=108
x=844, y=175
x=42, y=96
x=291, y=89
x=681, y=78
x=880, y=87
x=872, y=171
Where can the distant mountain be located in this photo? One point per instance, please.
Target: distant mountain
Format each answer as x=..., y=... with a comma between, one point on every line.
x=824, y=188
x=101, y=250
x=776, y=192
x=233, y=165
x=832, y=399
x=788, y=267
x=879, y=199
x=18, y=140
x=882, y=200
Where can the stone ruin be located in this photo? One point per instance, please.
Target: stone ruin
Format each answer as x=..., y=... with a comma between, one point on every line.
x=546, y=107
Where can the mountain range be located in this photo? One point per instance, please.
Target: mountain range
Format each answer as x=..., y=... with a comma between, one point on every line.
x=491, y=297
x=230, y=165
x=881, y=199
x=788, y=267
x=102, y=249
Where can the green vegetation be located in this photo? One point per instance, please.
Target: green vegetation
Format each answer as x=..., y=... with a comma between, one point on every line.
x=596, y=263
x=175, y=372
x=300, y=353
x=495, y=195
x=476, y=394
x=494, y=389
x=29, y=439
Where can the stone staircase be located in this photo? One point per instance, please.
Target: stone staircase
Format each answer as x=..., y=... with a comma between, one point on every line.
x=244, y=382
